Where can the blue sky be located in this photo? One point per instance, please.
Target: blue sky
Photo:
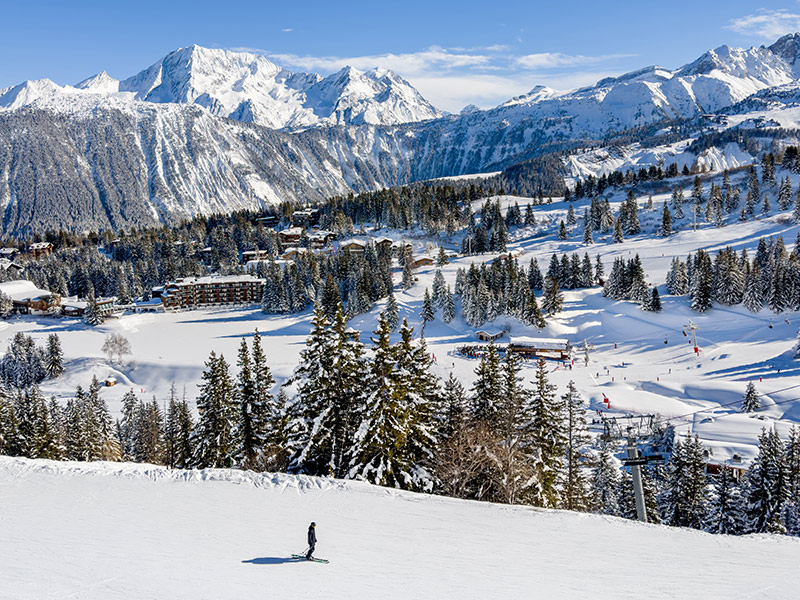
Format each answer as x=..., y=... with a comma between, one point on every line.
x=455, y=53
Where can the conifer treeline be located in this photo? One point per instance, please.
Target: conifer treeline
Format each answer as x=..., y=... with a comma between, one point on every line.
x=771, y=278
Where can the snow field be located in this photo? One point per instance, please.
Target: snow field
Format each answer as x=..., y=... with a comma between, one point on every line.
x=112, y=530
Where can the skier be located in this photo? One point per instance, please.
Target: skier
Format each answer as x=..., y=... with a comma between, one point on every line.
x=312, y=539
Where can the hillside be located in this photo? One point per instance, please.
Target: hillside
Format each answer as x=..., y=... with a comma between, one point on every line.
x=123, y=531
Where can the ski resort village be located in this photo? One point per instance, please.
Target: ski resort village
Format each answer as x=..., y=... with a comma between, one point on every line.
x=270, y=333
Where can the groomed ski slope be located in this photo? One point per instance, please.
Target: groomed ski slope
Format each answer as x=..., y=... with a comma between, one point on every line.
x=105, y=531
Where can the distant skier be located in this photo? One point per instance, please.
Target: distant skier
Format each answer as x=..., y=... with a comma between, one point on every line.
x=312, y=540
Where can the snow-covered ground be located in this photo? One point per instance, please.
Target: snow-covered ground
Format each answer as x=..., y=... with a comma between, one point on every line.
x=109, y=531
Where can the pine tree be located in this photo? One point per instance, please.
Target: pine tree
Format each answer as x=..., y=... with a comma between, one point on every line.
x=562, y=231
x=515, y=452
x=93, y=315
x=449, y=307
x=617, y=237
x=548, y=438
x=54, y=359
x=401, y=433
x=753, y=298
x=751, y=402
x=178, y=434
x=666, y=223
x=427, y=313
x=408, y=265
x=654, y=303
x=605, y=479
x=725, y=512
x=253, y=397
x=487, y=390
x=575, y=484
x=214, y=439
x=330, y=389
x=392, y=311
x=587, y=234
x=552, y=298
x=439, y=289
x=767, y=485
x=685, y=502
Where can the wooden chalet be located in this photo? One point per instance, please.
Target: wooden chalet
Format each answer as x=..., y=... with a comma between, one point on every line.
x=490, y=335
x=27, y=298
x=353, y=247
x=256, y=254
x=290, y=237
x=40, y=249
x=530, y=347
x=422, y=261
x=319, y=239
x=268, y=220
x=305, y=218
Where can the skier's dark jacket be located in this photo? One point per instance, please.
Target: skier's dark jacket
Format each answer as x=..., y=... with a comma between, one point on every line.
x=312, y=536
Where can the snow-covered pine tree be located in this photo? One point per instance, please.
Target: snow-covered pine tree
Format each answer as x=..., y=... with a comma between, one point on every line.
x=93, y=315
x=213, y=437
x=427, y=313
x=701, y=298
x=438, y=290
x=253, y=384
x=515, y=451
x=684, y=504
x=575, y=485
x=617, y=237
x=751, y=402
x=785, y=194
x=6, y=305
x=392, y=311
x=605, y=488
x=552, y=298
x=563, y=234
x=329, y=383
x=408, y=266
x=178, y=433
x=548, y=438
x=654, y=302
x=725, y=512
x=587, y=234
x=753, y=297
x=767, y=485
x=488, y=388
x=666, y=222
x=449, y=306
x=54, y=357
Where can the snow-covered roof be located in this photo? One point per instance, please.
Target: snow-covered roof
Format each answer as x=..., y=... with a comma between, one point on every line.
x=353, y=242
x=292, y=231
x=212, y=279
x=541, y=343
x=22, y=289
x=40, y=245
x=491, y=331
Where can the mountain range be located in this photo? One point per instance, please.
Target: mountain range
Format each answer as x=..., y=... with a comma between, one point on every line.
x=208, y=130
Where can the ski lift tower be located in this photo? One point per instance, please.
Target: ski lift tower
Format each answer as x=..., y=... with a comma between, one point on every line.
x=632, y=428
x=692, y=327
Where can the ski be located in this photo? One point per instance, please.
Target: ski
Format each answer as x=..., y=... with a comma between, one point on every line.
x=318, y=560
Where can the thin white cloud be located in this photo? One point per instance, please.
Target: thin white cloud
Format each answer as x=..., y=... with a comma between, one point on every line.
x=766, y=24
x=407, y=64
x=549, y=60
x=287, y=30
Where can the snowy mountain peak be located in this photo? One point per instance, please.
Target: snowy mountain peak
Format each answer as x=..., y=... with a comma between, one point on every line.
x=101, y=83
x=249, y=87
x=788, y=48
